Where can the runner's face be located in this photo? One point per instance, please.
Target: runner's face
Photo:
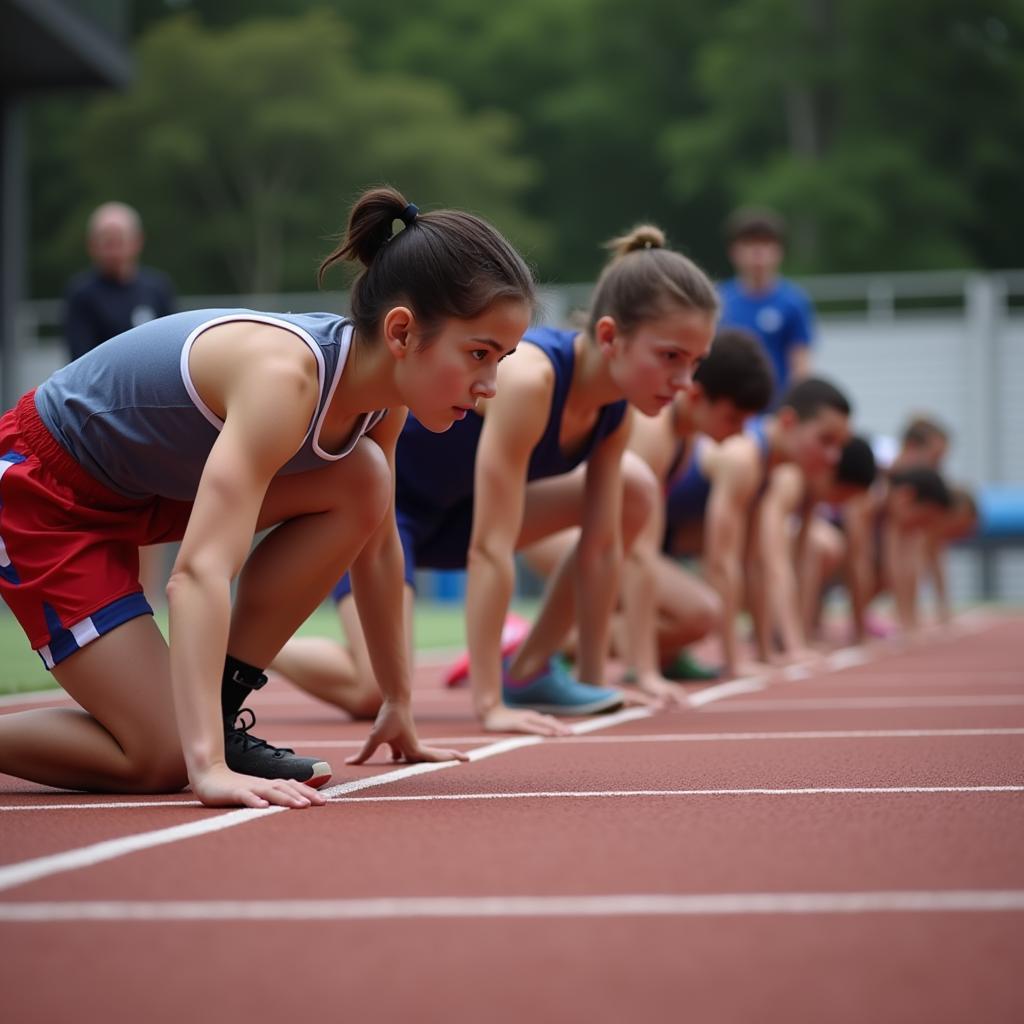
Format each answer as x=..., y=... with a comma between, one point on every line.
x=657, y=359
x=447, y=372
x=818, y=442
x=720, y=418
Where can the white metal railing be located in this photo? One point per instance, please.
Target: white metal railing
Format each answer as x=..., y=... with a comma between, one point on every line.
x=877, y=294
x=951, y=342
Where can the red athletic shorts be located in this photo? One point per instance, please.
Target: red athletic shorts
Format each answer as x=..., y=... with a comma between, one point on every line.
x=69, y=547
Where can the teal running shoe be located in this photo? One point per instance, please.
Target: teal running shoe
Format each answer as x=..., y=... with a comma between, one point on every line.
x=555, y=691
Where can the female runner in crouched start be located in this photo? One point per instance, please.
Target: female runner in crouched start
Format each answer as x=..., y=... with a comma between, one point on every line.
x=208, y=427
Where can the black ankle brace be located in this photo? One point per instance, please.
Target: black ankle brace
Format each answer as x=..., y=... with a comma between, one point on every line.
x=239, y=680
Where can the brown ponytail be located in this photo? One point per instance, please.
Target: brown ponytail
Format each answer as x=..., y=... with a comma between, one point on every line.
x=644, y=280
x=444, y=264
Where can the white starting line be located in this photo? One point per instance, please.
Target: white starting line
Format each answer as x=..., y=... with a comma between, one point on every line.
x=626, y=905
x=569, y=794
x=20, y=873
x=712, y=737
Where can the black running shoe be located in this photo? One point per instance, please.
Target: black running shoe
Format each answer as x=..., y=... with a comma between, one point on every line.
x=250, y=755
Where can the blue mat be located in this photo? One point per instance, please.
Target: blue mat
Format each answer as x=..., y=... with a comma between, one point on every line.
x=1001, y=508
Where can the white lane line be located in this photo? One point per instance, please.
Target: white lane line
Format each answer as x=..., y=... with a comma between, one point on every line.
x=826, y=703
x=96, y=853
x=605, y=794
x=847, y=657
x=747, y=684
x=481, y=753
x=945, y=676
x=12, y=875
x=341, y=798
x=798, y=673
x=708, y=737
x=614, y=905
x=807, y=734
x=616, y=718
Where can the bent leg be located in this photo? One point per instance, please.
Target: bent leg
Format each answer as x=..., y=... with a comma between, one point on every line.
x=126, y=738
x=335, y=673
x=687, y=608
x=551, y=507
x=825, y=554
x=325, y=517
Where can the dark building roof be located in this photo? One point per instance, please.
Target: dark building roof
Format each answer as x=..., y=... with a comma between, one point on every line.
x=51, y=44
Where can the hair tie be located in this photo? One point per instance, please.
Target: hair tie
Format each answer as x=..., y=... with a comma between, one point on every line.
x=409, y=214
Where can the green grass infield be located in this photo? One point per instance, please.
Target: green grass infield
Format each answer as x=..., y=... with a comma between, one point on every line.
x=436, y=625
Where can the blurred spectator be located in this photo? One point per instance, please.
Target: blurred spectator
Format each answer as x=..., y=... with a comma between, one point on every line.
x=116, y=293
x=759, y=299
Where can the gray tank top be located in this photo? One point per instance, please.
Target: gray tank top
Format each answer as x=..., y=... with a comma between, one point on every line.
x=130, y=415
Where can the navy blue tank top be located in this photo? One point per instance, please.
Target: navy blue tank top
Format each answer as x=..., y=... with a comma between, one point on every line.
x=688, y=491
x=436, y=470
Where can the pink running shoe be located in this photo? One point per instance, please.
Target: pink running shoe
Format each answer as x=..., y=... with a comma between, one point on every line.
x=513, y=633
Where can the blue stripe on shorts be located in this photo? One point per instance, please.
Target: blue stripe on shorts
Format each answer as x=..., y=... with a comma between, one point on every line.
x=64, y=641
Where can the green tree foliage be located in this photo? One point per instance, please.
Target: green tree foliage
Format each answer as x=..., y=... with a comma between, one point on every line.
x=594, y=83
x=889, y=133
x=243, y=148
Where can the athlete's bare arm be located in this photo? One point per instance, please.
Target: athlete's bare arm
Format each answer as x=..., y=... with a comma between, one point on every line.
x=378, y=588
x=783, y=498
x=734, y=468
x=600, y=551
x=903, y=553
x=653, y=439
x=935, y=568
x=858, y=520
x=514, y=422
x=262, y=381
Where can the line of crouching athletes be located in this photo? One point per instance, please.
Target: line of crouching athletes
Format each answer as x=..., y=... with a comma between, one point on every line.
x=728, y=523
x=433, y=429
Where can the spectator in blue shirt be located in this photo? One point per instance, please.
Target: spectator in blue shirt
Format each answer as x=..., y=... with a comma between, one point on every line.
x=115, y=294
x=759, y=299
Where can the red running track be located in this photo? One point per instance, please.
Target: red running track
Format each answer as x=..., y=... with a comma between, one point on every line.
x=843, y=847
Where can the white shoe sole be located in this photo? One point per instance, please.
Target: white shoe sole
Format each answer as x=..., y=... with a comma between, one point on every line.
x=321, y=775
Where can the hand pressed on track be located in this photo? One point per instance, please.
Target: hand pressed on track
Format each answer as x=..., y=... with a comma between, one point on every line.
x=221, y=787
x=506, y=719
x=746, y=667
x=655, y=691
x=394, y=726
x=804, y=656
